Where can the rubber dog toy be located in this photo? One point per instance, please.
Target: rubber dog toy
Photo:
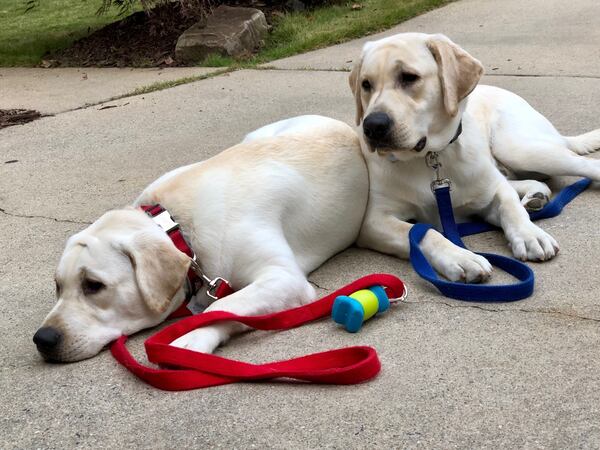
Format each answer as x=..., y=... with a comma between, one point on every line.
x=353, y=310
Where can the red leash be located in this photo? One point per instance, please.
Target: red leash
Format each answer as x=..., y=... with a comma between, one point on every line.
x=189, y=369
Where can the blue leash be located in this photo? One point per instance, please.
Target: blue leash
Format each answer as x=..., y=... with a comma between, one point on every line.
x=523, y=288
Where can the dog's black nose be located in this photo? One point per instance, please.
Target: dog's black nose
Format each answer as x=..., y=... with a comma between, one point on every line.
x=46, y=338
x=377, y=125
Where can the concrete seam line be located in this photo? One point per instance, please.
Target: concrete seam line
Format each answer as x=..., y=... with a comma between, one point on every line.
x=344, y=69
x=27, y=216
x=298, y=69
x=492, y=310
x=532, y=75
x=154, y=87
x=319, y=286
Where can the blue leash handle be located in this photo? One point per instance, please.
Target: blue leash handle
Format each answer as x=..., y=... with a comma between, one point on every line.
x=523, y=288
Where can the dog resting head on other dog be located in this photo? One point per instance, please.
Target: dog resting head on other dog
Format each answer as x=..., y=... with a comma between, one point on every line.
x=118, y=276
x=410, y=90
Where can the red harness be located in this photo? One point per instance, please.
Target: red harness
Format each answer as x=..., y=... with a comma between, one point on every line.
x=186, y=369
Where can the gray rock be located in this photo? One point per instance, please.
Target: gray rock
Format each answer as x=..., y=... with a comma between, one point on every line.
x=228, y=31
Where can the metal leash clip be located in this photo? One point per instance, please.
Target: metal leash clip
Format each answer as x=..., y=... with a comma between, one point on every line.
x=402, y=297
x=213, y=287
x=196, y=267
x=212, y=284
x=432, y=161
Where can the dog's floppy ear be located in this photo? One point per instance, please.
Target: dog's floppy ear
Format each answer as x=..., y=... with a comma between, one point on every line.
x=355, y=87
x=160, y=269
x=458, y=71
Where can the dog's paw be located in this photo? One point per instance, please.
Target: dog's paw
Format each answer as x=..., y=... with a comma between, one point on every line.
x=531, y=243
x=459, y=264
x=535, y=201
x=204, y=340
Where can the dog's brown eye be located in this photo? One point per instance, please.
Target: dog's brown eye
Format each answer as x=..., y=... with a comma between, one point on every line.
x=90, y=287
x=407, y=78
x=366, y=85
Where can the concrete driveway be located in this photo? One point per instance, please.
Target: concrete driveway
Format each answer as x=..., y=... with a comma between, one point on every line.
x=454, y=374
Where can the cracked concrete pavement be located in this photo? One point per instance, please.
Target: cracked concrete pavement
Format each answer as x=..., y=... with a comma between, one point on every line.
x=454, y=374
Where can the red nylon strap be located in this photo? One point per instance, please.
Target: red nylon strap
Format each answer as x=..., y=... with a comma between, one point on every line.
x=188, y=369
x=223, y=288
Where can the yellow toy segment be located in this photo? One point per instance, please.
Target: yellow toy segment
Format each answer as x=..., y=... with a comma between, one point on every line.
x=368, y=301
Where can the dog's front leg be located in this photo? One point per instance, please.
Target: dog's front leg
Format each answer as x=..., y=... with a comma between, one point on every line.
x=275, y=290
x=388, y=234
x=527, y=241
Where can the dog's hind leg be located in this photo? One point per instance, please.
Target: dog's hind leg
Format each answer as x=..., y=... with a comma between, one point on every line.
x=550, y=158
x=277, y=288
x=534, y=194
x=526, y=142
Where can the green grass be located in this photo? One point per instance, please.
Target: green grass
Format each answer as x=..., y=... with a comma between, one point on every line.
x=53, y=24
x=301, y=32
x=297, y=33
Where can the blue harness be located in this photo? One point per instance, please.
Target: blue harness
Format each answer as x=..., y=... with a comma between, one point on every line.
x=523, y=288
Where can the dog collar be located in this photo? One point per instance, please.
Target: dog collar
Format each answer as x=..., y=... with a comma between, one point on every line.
x=458, y=133
x=392, y=158
x=216, y=287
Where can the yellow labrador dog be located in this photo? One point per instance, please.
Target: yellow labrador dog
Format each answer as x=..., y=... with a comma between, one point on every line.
x=262, y=214
x=417, y=93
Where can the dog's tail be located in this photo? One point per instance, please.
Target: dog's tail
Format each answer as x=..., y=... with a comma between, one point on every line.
x=584, y=143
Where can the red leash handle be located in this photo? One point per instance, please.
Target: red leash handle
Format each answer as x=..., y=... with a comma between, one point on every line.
x=191, y=370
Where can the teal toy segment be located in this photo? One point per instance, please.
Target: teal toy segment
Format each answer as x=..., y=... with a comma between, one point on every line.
x=348, y=312
x=352, y=311
x=384, y=301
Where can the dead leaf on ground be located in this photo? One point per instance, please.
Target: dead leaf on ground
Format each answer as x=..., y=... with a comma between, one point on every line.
x=356, y=6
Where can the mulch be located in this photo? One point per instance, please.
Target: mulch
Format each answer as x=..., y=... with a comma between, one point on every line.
x=10, y=117
x=147, y=39
x=140, y=40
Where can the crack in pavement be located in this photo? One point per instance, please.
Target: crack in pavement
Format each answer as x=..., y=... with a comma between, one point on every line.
x=27, y=216
x=483, y=308
x=318, y=286
x=489, y=74
x=532, y=75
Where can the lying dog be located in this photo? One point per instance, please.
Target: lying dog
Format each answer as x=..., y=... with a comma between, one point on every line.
x=417, y=93
x=262, y=214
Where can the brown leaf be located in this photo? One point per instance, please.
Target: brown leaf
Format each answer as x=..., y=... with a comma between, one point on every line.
x=356, y=6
